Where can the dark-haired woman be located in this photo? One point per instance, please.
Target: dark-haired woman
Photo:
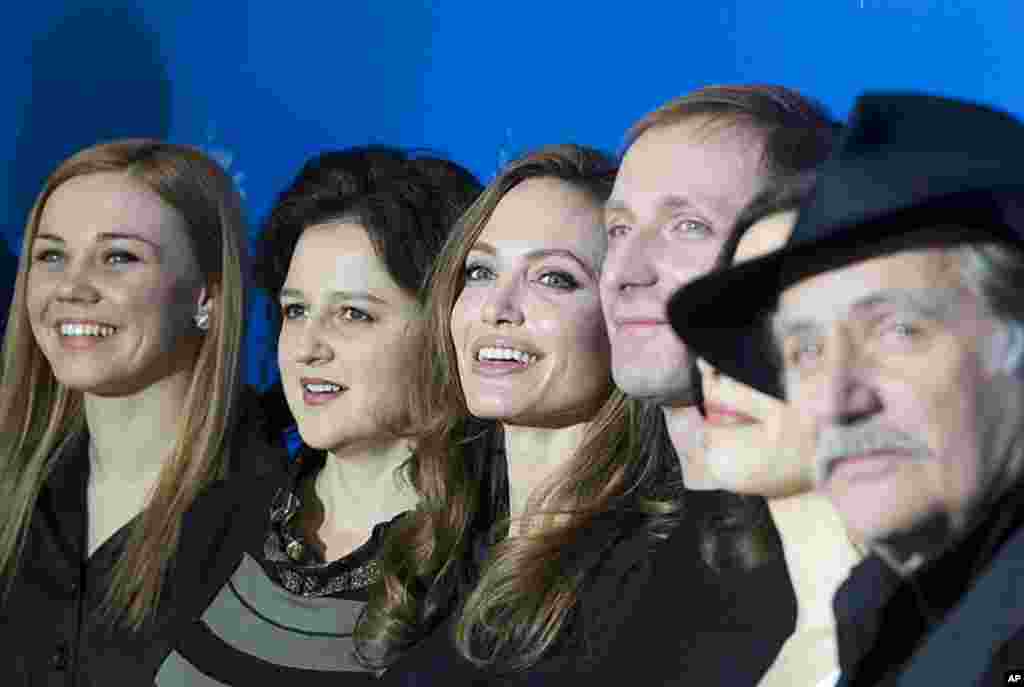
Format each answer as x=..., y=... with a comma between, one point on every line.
x=524, y=577
x=344, y=253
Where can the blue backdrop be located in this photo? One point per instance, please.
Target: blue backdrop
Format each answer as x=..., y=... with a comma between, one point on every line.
x=265, y=85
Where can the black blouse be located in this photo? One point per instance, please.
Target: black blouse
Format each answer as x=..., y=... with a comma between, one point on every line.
x=603, y=605
x=49, y=625
x=276, y=610
x=694, y=625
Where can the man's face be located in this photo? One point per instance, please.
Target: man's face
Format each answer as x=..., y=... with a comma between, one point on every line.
x=677, y=194
x=891, y=360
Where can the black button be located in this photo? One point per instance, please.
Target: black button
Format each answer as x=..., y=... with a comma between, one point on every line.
x=60, y=657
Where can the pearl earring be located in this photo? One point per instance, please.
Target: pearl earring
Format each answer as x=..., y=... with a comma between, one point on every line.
x=202, y=317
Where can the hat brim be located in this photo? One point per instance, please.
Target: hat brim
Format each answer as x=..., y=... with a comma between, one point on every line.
x=725, y=317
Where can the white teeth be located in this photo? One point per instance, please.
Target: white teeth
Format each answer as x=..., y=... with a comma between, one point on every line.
x=506, y=354
x=322, y=388
x=79, y=329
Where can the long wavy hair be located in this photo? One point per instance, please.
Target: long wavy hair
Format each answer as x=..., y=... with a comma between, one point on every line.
x=39, y=415
x=516, y=600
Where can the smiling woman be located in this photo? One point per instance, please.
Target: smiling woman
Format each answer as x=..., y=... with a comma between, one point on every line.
x=119, y=398
x=537, y=508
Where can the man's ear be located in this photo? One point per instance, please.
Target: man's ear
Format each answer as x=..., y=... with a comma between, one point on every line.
x=1006, y=349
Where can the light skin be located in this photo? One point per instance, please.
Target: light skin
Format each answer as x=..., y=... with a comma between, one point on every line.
x=890, y=359
x=110, y=252
x=532, y=286
x=676, y=196
x=347, y=322
x=755, y=444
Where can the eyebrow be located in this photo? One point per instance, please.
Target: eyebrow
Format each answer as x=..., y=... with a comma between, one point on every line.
x=484, y=247
x=672, y=202
x=935, y=304
x=106, y=236
x=337, y=296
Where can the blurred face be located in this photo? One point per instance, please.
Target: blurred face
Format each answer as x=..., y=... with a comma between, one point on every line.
x=753, y=443
x=677, y=194
x=347, y=339
x=113, y=285
x=527, y=328
x=889, y=358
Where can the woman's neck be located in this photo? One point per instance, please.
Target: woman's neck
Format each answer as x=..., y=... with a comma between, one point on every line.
x=535, y=455
x=358, y=487
x=132, y=436
x=819, y=555
x=686, y=430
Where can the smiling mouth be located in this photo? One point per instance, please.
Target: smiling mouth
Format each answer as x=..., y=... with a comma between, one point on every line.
x=320, y=391
x=509, y=357
x=83, y=329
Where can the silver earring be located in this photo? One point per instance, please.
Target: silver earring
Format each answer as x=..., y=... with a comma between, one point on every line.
x=202, y=317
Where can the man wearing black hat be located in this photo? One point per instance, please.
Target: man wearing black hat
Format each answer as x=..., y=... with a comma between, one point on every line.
x=893, y=319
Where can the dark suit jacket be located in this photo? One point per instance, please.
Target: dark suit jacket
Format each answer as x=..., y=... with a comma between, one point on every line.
x=958, y=621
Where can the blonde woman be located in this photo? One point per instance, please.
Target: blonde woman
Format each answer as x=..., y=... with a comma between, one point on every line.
x=118, y=397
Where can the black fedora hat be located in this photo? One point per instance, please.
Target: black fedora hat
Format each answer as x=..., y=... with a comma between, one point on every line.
x=906, y=162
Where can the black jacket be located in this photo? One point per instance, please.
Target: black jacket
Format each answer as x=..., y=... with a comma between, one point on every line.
x=48, y=623
x=604, y=603
x=652, y=615
x=696, y=625
x=957, y=621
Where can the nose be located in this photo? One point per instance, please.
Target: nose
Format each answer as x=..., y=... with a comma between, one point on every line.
x=845, y=392
x=629, y=261
x=76, y=284
x=503, y=304
x=311, y=347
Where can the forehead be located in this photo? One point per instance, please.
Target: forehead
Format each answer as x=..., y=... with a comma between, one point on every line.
x=836, y=293
x=544, y=213
x=109, y=202
x=337, y=256
x=765, y=235
x=709, y=163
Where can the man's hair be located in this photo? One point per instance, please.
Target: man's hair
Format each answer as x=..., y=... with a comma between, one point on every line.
x=797, y=132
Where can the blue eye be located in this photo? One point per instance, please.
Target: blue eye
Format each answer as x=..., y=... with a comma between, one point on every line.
x=120, y=257
x=355, y=315
x=803, y=354
x=693, y=229
x=49, y=255
x=559, y=280
x=293, y=311
x=477, y=273
x=617, y=230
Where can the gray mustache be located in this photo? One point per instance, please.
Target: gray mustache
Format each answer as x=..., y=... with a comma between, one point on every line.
x=836, y=443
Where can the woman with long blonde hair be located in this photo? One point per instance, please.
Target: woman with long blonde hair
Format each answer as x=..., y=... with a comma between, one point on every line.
x=537, y=507
x=118, y=399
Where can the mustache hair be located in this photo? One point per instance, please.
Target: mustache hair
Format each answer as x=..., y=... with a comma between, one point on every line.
x=837, y=442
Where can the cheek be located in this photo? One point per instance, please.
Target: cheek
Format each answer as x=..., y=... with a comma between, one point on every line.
x=580, y=329
x=466, y=311
x=687, y=260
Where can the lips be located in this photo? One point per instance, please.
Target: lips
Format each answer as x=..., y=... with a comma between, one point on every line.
x=722, y=415
x=639, y=324
x=81, y=334
x=862, y=467
x=500, y=356
x=317, y=391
